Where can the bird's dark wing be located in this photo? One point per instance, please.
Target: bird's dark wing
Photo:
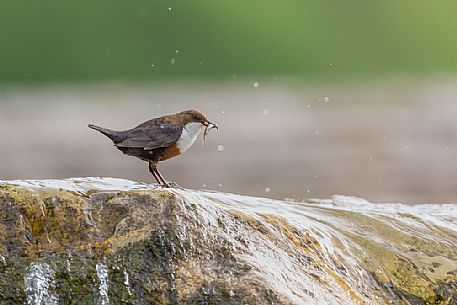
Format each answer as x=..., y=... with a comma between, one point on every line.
x=152, y=136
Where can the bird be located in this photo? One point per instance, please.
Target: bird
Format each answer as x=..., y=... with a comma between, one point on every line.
x=161, y=138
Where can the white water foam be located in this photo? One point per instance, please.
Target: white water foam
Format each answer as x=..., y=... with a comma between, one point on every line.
x=102, y=274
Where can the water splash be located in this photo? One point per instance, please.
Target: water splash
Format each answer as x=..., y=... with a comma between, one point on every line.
x=40, y=284
x=83, y=185
x=102, y=274
x=127, y=282
x=344, y=250
x=68, y=262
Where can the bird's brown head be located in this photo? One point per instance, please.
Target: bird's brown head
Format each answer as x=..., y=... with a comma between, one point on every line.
x=196, y=116
x=191, y=116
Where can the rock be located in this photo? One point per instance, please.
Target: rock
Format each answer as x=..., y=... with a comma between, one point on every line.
x=114, y=241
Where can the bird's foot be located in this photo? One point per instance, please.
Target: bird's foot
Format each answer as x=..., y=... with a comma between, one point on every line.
x=171, y=184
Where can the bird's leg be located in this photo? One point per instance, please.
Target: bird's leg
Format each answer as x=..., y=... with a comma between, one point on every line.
x=152, y=169
x=165, y=183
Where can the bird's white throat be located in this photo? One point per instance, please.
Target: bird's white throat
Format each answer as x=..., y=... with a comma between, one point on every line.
x=188, y=136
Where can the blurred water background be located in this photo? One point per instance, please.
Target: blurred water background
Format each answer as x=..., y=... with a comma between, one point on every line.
x=313, y=97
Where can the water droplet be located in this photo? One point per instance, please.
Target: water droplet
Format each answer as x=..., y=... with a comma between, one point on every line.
x=265, y=112
x=309, y=106
x=220, y=185
x=267, y=190
x=169, y=8
x=172, y=61
x=326, y=99
x=152, y=65
x=371, y=158
x=177, y=51
x=220, y=148
x=223, y=112
x=255, y=85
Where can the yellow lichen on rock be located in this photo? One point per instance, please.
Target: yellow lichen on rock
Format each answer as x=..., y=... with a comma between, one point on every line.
x=45, y=219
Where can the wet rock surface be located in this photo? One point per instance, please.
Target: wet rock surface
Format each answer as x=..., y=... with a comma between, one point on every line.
x=114, y=241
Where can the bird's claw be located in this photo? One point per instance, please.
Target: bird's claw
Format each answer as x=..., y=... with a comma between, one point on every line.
x=171, y=184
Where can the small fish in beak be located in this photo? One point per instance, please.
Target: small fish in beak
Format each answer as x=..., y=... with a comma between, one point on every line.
x=208, y=127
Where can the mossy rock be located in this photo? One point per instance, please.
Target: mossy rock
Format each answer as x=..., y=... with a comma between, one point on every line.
x=108, y=241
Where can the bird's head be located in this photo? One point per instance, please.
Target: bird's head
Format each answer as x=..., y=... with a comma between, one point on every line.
x=198, y=117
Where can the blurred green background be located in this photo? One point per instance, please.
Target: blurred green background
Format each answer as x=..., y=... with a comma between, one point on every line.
x=84, y=40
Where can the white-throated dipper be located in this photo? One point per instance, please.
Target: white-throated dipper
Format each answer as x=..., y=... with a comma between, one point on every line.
x=161, y=138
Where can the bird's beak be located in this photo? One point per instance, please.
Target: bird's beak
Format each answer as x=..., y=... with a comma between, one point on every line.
x=209, y=126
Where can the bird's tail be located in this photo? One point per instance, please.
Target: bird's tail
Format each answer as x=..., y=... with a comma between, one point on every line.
x=115, y=136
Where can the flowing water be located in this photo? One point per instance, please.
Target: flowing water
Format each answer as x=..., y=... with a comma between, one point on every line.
x=342, y=250
x=39, y=283
x=371, y=251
